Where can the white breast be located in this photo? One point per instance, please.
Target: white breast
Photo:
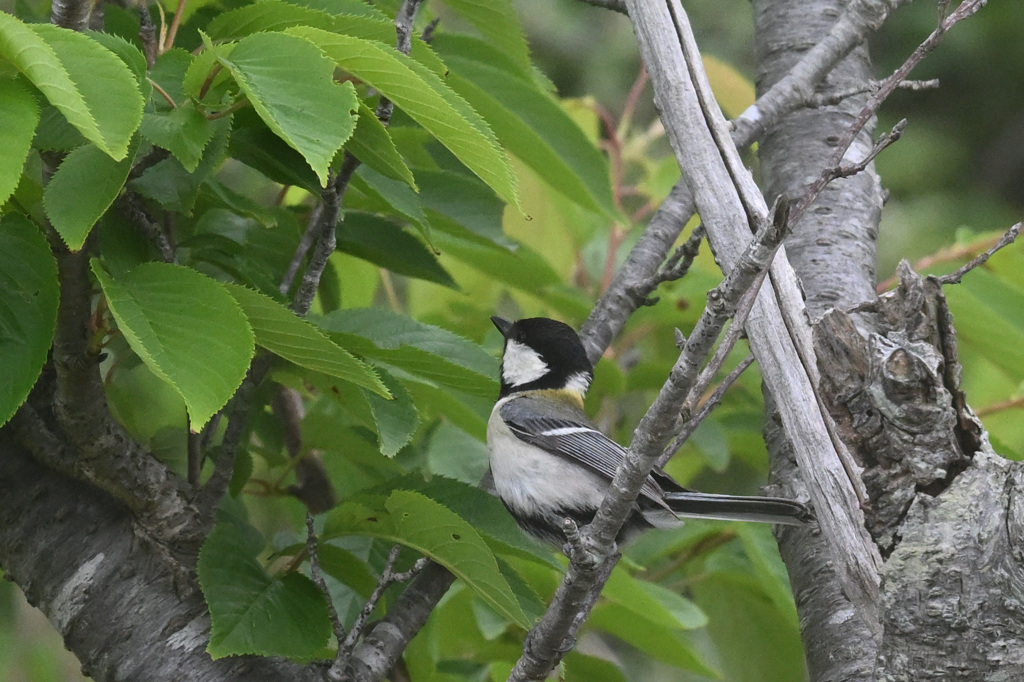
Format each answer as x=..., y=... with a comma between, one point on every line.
x=530, y=479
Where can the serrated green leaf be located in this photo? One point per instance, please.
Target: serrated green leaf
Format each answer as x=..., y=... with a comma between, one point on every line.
x=290, y=84
x=126, y=52
x=183, y=131
x=387, y=195
x=426, y=99
x=98, y=78
x=19, y=116
x=371, y=144
x=463, y=206
x=416, y=521
x=532, y=125
x=396, y=419
x=453, y=453
x=253, y=613
x=423, y=350
x=497, y=21
x=281, y=331
x=383, y=242
x=171, y=185
x=83, y=188
x=256, y=146
x=28, y=309
x=166, y=312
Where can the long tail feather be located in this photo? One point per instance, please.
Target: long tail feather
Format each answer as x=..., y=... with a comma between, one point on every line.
x=738, y=508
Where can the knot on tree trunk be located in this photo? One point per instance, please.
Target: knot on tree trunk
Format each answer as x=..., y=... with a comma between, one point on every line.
x=895, y=394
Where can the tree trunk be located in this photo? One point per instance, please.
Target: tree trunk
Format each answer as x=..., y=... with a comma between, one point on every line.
x=943, y=509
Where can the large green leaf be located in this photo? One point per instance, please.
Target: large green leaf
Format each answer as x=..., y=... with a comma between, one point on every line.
x=435, y=354
x=989, y=315
x=252, y=612
x=83, y=188
x=186, y=327
x=416, y=521
x=426, y=99
x=497, y=21
x=78, y=76
x=270, y=15
x=281, y=331
x=28, y=309
x=19, y=116
x=290, y=83
x=532, y=125
x=383, y=242
x=664, y=644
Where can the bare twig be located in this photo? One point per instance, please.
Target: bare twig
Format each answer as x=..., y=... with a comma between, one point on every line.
x=387, y=578
x=819, y=100
x=958, y=274
x=881, y=144
x=147, y=34
x=966, y=9
x=713, y=401
x=316, y=575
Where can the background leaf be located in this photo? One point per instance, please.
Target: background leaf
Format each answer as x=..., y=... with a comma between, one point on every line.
x=28, y=309
x=19, y=116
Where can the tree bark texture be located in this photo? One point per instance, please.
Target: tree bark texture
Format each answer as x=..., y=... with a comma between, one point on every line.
x=124, y=606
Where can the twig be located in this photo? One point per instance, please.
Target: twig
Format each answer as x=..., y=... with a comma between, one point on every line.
x=966, y=9
x=172, y=32
x=147, y=34
x=678, y=264
x=882, y=143
x=819, y=100
x=316, y=575
x=387, y=578
x=305, y=242
x=614, y=5
x=958, y=274
x=713, y=401
x=1001, y=406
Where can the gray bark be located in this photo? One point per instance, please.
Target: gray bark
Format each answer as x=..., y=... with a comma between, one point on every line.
x=126, y=608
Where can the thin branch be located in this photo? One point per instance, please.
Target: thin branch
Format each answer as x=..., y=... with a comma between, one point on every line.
x=387, y=578
x=881, y=144
x=958, y=274
x=316, y=575
x=129, y=207
x=819, y=100
x=147, y=34
x=966, y=9
x=172, y=32
x=713, y=401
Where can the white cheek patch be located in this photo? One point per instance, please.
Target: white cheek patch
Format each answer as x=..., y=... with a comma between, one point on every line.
x=580, y=382
x=521, y=364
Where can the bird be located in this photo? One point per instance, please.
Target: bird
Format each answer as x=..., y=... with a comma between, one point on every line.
x=550, y=463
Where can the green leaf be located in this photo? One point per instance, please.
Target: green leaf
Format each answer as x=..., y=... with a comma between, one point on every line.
x=82, y=79
x=167, y=313
x=251, y=612
x=171, y=185
x=416, y=521
x=19, y=116
x=432, y=353
x=28, y=312
x=497, y=21
x=396, y=419
x=453, y=453
x=665, y=644
x=83, y=188
x=270, y=15
x=653, y=602
x=464, y=206
x=256, y=146
x=183, y=131
x=291, y=85
x=386, y=195
x=371, y=144
x=383, y=242
x=425, y=98
x=532, y=125
x=989, y=319
x=281, y=331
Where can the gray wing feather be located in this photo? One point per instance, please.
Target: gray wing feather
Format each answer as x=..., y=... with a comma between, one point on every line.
x=578, y=441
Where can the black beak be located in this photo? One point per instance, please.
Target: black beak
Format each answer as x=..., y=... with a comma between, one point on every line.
x=503, y=325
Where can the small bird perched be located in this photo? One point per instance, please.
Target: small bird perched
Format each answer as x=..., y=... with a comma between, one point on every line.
x=549, y=461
